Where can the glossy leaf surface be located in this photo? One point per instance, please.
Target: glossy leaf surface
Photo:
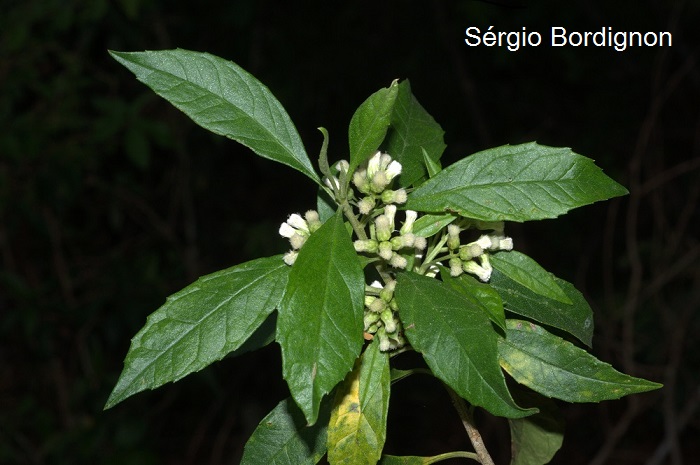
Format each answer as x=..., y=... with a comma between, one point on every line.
x=201, y=324
x=370, y=123
x=576, y=319
x=515, y=183
x=283, y=438
x=528, y=273
x=319, y=326
x=455, y=336
x=357, y=428
x=412, y=132
x=489, y=298
x=223, y=98
x=556, y=368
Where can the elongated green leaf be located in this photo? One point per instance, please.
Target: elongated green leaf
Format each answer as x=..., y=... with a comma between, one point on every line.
x=528, y=273
x=488, y=297
x=282, y=438
x=357, y=428
x=455, y=336
x=515, y=183
x=413, y=131
x=556, y=368
x=535, y=439
x=370, y=123
x=201, y=324
x=429, y=225
x=404, y=460
x=319, y=326
x=225, y=99
x=576, y=319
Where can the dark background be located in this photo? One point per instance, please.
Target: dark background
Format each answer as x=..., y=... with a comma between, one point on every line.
x=110, y=200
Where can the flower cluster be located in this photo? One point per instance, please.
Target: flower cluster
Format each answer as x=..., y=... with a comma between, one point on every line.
x=298, y=230
x=372, y=181
x=385, y=244
x=391, y=247
x=464, y=259
x=381, y=318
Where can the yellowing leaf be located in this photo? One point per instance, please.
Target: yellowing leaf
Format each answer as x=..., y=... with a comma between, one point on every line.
x=357, y=428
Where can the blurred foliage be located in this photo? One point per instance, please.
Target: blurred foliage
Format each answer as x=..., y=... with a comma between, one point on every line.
x=110, y=200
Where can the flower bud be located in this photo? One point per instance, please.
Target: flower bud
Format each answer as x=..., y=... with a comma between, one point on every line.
x=390, y=212
x=383, y=228
x=393, y=170
x=473, y=268
x=297, y=240
x=387, y=317
x=470, y=251
x=397, y=196
x=484, y=242
x=397, y=261
x=407, y=226
x=359, y=178
x=313, y=220
x=420, y=242
x=379, y=182
x=387, y=293
x=366, y=205
x=373, y=164
x=377, y=306
x=385, y=250
x=505, y=243
x=368, y=245
x=290, y=257
x=342, y=165
x=455, y=267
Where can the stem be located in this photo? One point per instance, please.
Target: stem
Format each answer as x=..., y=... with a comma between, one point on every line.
x=452, y=455
x=468, y=421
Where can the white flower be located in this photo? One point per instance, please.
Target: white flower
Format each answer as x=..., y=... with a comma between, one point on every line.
x=374, y=164
x=296, y=229
x=484, y=242
x=407, y=226
x=290, y=257
x=393, y=170
x=474, y=268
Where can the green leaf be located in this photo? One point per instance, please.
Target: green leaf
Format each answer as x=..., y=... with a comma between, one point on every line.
x=413, y=131
x=282, y=438
x=404, y=460
x=201, y=324
x=433, y=166
x=370, y=123
x=556, y=368
x=357, y=428
x=455, y=336
x=429, y=225
x=515, y=183
x=529, y=274
x=485, y=294
x=223, y=98
x=325, y=205
x=535, y=439
x=319, y=326
x=577, y=318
